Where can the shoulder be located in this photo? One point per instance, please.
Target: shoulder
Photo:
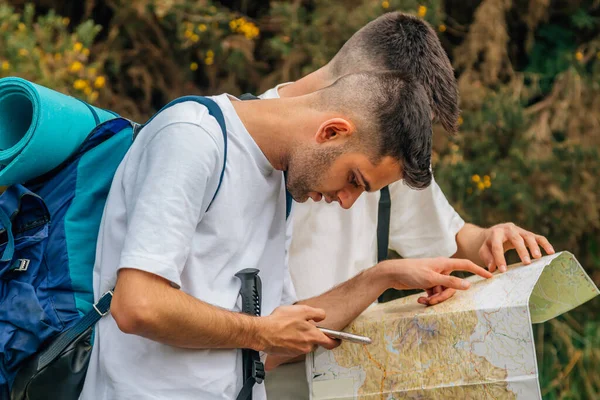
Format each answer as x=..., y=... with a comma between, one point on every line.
x=185, y=124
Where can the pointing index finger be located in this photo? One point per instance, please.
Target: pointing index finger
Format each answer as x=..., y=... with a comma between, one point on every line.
x=469, y=266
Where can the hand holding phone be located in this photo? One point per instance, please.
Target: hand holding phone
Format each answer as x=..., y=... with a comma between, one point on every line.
x=345, y=336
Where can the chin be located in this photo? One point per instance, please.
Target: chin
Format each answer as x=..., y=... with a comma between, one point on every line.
x=302, y=199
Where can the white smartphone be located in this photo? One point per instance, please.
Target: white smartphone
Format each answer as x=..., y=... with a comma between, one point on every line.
x=345, y=336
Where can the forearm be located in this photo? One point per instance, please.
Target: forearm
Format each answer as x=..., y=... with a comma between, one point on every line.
x=167, y=315
x=345, y=302
x=469, y=240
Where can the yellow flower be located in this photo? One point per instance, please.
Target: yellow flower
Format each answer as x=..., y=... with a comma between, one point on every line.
x=422, y=11
x=94, y=96
x=233, y=25
x=579, y=56
x=487, y=184
x=86, y=52
x=21, y=26
x=66, y=21
x=460, y=120
x=80, y=84
x=480, y=186
x=202, y=28
x=188, y=34
x=87, y=90
x=210, y=54
x=476, y=178
x=486, y=177
x=385, y=4
x=195, y=38
x=23, y=52
x=442, y=28
x=75, y=66
x=209, y=60
x=99, y=82
x=5, y=65
x=194, y=66
x=92, y=71
x=78, y=46
x=58, y=56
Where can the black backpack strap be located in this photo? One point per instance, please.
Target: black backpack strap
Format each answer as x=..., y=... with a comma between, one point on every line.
x=383, y=224
x=383, y=227
x=101, y=308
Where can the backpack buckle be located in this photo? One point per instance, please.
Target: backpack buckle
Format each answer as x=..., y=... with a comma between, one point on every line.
x=258, y=371
x=102, y=314
x=21, y=265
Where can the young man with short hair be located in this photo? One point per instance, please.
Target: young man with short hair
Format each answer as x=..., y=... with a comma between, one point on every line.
x=175, y=329
x=330, y=245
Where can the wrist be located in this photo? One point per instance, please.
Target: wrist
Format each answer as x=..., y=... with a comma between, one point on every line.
x=259, y=337
x=385, y=274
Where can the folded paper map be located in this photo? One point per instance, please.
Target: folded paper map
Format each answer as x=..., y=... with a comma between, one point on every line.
x=476, y=345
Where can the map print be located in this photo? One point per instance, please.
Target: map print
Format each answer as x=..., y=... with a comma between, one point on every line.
x=476, y=345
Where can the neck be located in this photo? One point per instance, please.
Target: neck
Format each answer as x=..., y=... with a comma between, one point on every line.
x=312, y=82
x=278, y=125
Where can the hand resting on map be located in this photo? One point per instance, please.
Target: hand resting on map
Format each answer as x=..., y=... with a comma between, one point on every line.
x=431, y=274
x=500, y=238
x=486, y=246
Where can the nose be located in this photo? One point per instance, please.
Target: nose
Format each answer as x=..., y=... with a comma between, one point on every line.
x=348, y=196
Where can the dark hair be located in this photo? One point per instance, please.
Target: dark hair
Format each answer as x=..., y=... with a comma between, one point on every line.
x=392, y=115
x=397, y=41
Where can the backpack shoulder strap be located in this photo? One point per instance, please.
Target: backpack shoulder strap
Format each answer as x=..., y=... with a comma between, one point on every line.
x=215, y=111
x=383, y=230
x=383, y=224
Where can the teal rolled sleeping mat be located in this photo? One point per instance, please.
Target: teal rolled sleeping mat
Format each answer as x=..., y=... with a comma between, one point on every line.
x=40, y=128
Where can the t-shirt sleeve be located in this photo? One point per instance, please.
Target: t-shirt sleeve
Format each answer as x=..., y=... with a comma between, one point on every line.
x=423, y=223
x=165, y=197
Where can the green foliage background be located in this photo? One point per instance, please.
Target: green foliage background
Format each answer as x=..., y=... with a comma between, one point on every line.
x=528, y=70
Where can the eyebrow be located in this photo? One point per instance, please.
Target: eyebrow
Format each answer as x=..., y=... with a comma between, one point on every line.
x=366, y=183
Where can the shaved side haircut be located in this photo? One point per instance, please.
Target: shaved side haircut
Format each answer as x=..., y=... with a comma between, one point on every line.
x=402, y=42
x=392, y=115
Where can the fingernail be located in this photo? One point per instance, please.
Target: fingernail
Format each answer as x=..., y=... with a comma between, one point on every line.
x=502, y=268
x=537, y=253
x=527, y=260
x=552, y=248
x=465, y=284
x=489, y=266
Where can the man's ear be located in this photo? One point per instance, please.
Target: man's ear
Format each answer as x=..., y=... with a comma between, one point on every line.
x=334, y=129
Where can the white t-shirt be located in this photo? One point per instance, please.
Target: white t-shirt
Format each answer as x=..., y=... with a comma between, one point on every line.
x=155, y=220
x=331, y=245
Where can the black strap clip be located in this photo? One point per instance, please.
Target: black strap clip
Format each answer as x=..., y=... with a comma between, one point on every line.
x=258, y=371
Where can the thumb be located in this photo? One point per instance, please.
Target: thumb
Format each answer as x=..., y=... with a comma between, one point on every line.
x=315, y=314
x=453, y=282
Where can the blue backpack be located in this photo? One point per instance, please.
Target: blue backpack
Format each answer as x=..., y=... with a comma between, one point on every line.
x=49, y=227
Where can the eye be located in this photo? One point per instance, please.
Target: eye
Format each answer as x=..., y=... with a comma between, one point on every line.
x=353, y=180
